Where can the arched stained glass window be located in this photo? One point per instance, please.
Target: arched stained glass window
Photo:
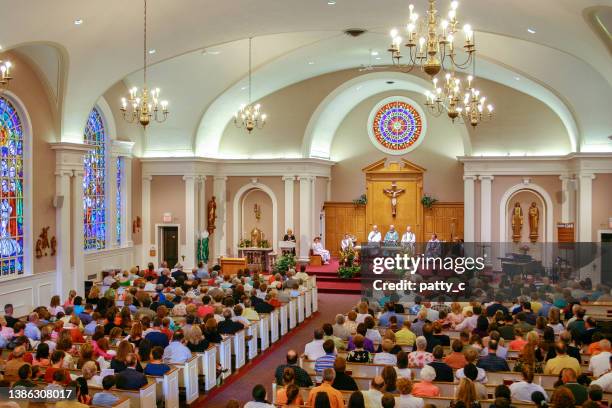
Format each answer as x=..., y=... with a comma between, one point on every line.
x=94, y=184
x=11, y=193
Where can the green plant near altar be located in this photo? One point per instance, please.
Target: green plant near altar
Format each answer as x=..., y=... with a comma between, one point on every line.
x=264, y=243
x=428, y=201
x=362, y=200
x=245, y=243
x=347, y=257
x=348, y=272
x=284, y=263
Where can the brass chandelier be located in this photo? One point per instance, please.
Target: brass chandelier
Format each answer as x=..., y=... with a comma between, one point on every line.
x=431, y=46
x=5, y=74
x=144, y=106
x=249, y=116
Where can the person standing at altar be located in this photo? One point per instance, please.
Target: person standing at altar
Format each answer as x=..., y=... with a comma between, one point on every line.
x=374, y=235
x=391, y=237
x=317, y=249
x=290, y=237
x=409, y=237
x=346, y=243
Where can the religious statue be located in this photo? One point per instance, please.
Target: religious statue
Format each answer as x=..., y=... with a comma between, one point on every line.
x=39, y=253
x=534, y=218
x=517, y=222
x=212, y=215
x=256, y=237
x=393, y=193
x=53, y=246
x=44, y=240
x=257, y=211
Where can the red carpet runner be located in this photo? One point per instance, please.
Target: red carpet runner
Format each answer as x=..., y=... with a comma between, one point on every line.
x=329, y=282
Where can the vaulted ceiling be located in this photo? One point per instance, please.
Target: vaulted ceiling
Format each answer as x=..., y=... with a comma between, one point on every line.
x=566, y=63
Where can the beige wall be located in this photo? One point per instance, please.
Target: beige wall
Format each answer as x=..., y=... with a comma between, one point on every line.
x=168, y=195
x=32, y=93
x=249, y=221
x=437, y=153
x=602, y=203
x=522, y=123
x=551, y=184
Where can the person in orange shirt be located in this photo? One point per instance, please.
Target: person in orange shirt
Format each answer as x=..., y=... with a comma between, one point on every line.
x=335, y=396
x=456, y=359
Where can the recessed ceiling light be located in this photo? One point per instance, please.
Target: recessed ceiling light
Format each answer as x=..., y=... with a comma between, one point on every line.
x=390, y=82
x=517, y=78
x=152, y=51
x=331, y=3
x=374, y=53
x=243, y=88
x=210, y=52
x=310, y=62
x=379, y=58
x=531, y=31
x=78, y=21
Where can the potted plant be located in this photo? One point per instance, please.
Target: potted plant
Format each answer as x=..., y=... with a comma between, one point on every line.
x=361, y=200
x=348, y=272
x=284, y=263
x=428, y=201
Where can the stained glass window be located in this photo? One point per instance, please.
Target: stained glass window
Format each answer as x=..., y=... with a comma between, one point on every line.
x=94, y=189
x=11, y=195
x=118, y=209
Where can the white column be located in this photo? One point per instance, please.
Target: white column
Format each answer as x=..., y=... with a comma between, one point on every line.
x=111, y=225
x=585, y=207
x=328, y=197
x=146, y=221
x=220, y=234
x=78, y=252
x=190, y=221
x=315, y=210
x=567, y=198
x=201, y=204
x=62, y=219
x=485, y=208
x=126, y=202
x=468, y=208
x=289, y=181
x=306, y=213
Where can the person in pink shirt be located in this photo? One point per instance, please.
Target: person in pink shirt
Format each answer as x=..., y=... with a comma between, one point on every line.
x=420, y=357
x=100, y=346
x=425, y=388
x=519, y=342
x=70, y=301
x=205, y=308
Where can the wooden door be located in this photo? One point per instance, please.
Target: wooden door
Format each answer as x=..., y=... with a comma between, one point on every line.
x=169, y=238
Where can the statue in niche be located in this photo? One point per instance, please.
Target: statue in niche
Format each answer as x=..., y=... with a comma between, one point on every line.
x=212, y=215
x=517, y=222
x=256, y=237
x=393, y=193
x=257, y=211
x=534, y=219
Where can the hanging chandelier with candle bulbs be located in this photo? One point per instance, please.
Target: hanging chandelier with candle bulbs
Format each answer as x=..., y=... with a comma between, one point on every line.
x=5, y=74
x=431, y=45
x=144, y=106
x=249, y=115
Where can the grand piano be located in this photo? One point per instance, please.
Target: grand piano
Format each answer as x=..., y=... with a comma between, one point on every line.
x=524, y=265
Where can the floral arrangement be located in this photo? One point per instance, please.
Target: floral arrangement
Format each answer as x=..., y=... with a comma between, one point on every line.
x=284, y=263
x=362, y=200
x=245, y=243
x=428, y=201
x=348, y=272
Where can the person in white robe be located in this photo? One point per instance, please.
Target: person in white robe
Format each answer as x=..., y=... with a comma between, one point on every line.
x=374, y=235
x=391, y=237
x=317, y=249
x=409, y=237
x=347, y=242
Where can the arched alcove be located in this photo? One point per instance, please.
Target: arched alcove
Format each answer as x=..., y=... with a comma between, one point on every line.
x=520, y=193
x=249, y=194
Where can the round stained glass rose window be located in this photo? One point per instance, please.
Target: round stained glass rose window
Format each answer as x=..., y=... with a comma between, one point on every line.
x=396, y=125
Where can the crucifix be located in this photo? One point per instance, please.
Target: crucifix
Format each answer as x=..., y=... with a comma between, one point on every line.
x=393, y=193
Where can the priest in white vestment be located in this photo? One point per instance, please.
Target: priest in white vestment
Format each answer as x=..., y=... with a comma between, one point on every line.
x=391, y=237
x=317, y=249
x=374, y=235
x=409, y=237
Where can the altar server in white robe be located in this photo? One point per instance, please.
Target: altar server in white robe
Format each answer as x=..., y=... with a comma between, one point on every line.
x=374, y=235
x=347, y=242
x=317, y=249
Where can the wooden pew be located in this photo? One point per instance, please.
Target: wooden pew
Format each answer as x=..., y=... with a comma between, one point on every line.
x=252, y=332
x=224, y=356
x=284, y=310
x=239, y=348
x=264, y=331
x=300, y=308
x=188, y=378
x=274, y=325
x=145, y=397
x=168, y=388
x=308, y=303
x=315, y=299
x=292, y=313
x=123, y=402
x=207, y=367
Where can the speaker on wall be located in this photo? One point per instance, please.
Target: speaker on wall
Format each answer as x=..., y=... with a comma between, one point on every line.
x=58, y=201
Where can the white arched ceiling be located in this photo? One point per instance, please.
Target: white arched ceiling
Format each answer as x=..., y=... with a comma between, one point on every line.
x=331, y=112
x=581, y=73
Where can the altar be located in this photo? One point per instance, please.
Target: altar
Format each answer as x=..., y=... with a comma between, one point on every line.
x=258, y=259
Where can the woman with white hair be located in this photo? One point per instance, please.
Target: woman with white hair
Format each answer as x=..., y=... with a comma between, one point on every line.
x=425, y=388
x=419, y=358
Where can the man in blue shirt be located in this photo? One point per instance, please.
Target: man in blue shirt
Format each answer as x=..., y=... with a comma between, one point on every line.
x=156, y=337
x=328, y=359
x=383, y=320
x=491, y=362
x=177, y=352
x=31, y=330
x=156, y=366
x=106, y=398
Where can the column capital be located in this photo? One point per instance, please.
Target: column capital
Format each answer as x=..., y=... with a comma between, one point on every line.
x=64, y=172
x=79, y=173
x=288, y=178
x=121, y=148
x=586, y=176
x=190, y=177
x=147, y=178
x=202, y=178
x=305, y=178
x=472, y=178
x=221, y=178
x=486, y=177
x=566, y=177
